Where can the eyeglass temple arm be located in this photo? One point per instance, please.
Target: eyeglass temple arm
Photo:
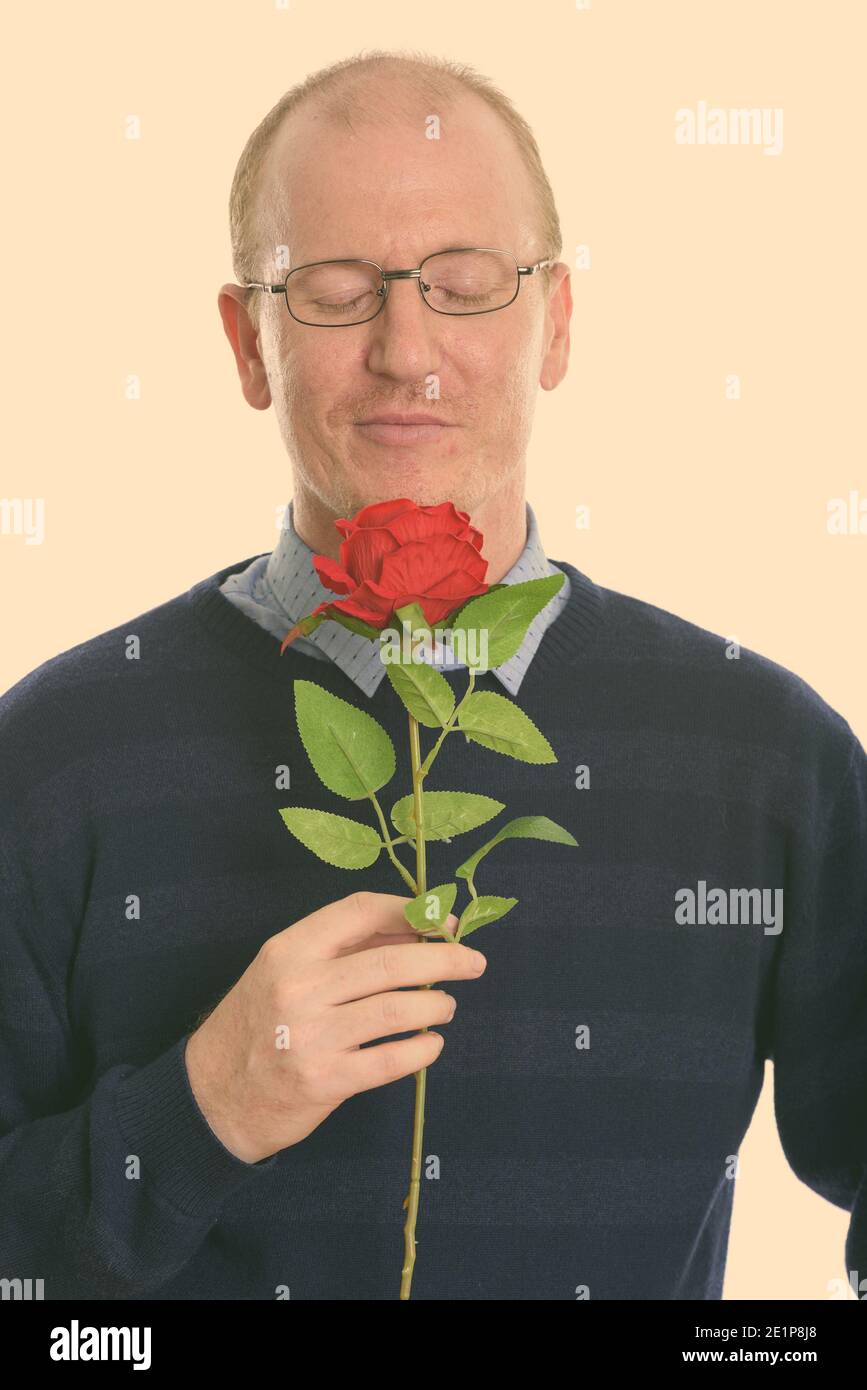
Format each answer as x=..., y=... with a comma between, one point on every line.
x=531, y=269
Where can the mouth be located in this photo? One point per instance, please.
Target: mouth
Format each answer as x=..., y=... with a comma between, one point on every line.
x=403, y=429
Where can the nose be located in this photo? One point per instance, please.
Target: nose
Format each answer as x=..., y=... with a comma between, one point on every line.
x=405, y=333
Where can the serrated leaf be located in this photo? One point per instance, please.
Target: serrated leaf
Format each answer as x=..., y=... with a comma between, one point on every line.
x=348, y=844
x=445, y=813
x=429, y=911
x=449, y=621
x=495, y=722
x=523, y=827
x=480, y=912
x=425, y=692
x=350, y=752
x=505, y=615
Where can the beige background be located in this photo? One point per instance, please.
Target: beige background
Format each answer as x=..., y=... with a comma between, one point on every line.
x=704, y=261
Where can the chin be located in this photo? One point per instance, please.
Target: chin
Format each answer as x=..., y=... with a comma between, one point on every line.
x=424, y=485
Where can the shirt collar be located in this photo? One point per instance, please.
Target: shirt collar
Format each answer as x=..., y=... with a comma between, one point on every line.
x=291, y=583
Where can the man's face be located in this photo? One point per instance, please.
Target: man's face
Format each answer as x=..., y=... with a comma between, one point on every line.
x=389, y=194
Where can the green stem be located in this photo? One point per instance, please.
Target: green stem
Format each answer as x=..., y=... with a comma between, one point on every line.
x=473, y=894
x=411, y=1200
x=386, y=838
x=389, y=845
x=450, y=726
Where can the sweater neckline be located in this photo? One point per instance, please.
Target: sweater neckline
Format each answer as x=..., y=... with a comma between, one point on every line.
x=563, y=642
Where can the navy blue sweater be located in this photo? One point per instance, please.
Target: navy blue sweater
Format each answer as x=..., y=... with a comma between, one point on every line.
x=584, y=1117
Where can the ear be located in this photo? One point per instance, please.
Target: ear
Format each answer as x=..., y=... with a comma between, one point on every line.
x=244, y=338
x=558, y=312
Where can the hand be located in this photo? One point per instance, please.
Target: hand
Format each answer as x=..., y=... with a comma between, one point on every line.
x=328, y=983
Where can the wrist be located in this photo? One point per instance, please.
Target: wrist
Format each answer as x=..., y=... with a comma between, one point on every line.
x=220, y=1124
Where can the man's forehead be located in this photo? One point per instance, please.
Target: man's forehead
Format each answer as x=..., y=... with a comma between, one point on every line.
x=321, y=175
x=460, y=124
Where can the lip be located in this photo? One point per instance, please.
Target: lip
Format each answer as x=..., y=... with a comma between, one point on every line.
x=398, y=418
x=403, y=429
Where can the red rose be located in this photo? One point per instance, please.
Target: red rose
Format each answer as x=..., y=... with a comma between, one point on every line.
x=397, y=552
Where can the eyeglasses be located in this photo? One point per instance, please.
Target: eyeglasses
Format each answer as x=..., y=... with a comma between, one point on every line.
x=462, y=280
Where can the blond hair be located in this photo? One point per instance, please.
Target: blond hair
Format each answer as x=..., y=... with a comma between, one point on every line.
x=338, y=91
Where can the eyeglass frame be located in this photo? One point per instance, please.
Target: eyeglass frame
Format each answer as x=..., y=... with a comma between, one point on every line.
x=388, y=275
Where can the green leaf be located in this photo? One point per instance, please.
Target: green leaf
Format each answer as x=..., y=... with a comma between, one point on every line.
x=429, y=911
x=309, y=624
x=425, y=692
x=505, y=615
x=480, y=912
x=495, y=722
x=353, y=624
x=449, y=621
x=524, y=827
x=445, y=813
x=345, y=843
x=350, y=752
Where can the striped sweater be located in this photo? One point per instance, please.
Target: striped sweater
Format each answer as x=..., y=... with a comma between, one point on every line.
x=585, y=1114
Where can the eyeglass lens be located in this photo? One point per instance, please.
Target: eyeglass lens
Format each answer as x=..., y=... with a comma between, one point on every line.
x=452, y=282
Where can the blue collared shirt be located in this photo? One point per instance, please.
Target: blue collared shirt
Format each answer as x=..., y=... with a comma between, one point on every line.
x=279, y=588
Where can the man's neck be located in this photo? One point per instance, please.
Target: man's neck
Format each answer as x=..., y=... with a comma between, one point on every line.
x=502, y=520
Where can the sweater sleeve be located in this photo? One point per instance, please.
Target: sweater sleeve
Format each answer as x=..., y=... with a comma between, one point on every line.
x=107, y=1188
x=819, y=1037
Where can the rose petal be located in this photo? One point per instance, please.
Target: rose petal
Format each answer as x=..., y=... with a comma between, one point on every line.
x=443, y=519
x=458, y=587
x=368, y=603
x=364, y=551
x=380, y=513
x=332, y=575
x=421, y=564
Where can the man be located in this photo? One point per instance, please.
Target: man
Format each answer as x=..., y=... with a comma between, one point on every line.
x=159, y=925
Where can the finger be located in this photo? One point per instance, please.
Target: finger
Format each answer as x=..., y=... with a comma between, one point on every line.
x=396, y=967
x=396, y=1011
x=395, y=938
x=349, y=923
x=377, y=1066
x=398, y=937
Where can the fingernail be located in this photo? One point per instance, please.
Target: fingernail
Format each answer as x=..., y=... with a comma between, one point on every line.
x=479, y=961
x=454, y=1004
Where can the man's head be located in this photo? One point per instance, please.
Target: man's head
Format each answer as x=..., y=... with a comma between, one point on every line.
x=345, y=166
